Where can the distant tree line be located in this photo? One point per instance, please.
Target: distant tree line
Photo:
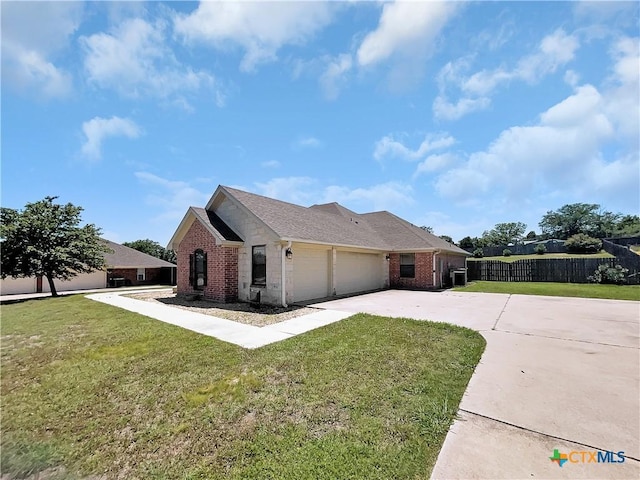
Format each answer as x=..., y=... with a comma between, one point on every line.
x=587, y=219
x=152, y=248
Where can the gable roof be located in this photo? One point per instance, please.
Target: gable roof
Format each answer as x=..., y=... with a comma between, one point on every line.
x=126, y=257
x=211, y=221
x=334, y=224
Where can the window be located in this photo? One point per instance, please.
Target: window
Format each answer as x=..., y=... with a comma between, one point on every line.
x=198, y=270
x=259, y=265
x=407, y=265
x=141, y=275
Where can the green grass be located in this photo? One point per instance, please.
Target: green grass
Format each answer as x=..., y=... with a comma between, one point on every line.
x=635, y=249
x=92, y=390
x=513, y=258
x=586, y=290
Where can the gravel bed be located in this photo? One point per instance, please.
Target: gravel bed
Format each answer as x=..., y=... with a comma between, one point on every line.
x=238, y=312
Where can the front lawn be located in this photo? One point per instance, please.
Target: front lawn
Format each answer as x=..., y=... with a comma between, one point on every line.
x=586, y=290
x=514, y=258
x=90, y=390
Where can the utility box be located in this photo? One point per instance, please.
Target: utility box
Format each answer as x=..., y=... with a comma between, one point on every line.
x=458, y=276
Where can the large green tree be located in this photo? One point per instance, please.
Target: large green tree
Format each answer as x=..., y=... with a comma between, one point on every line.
x=504, y=234
x=152, y=248
x=45, y=239
x=587, y=218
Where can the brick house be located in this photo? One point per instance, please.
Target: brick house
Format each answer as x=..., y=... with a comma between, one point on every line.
x=248, y=247
x=125, y=267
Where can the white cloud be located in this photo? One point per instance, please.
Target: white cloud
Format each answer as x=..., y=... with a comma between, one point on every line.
x=98, y=129
x=405, y=28
x=564, y=151
x=384, y=196
x=435, y=162
x=554, y=51
x=335, y=75
x=446, y=110
x=171, y=197
x=307, y=191
x=299, y=190
x=389, y=147
x=271, y=164
x=135, y=61
x=32, y=34
x=260, y=28
x=306, y=143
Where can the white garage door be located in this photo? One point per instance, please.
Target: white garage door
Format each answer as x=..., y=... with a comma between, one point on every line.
x=83, y=281
x=11, y=286
x=311, y=273
x=358, y=272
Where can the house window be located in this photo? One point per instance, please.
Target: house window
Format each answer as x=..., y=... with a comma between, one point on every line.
x=407, y=265
x=259, y=265
x=198, y=270
x=141, y=275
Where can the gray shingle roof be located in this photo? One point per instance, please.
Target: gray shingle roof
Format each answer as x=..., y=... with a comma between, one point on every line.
x=217, y=223
x=125, y=257
x=334, y=224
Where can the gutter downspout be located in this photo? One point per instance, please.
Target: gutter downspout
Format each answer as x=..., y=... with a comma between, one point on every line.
x=434, y=268
x=283, y=258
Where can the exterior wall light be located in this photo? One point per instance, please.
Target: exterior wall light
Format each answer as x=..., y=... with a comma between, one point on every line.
x=388, y=257
x=288, y=253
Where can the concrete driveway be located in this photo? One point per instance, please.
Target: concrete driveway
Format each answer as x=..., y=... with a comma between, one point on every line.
x=557, y=373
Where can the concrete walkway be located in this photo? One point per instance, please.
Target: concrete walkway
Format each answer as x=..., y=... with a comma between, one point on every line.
x=557, y=373
x=246, y=336
x=17, y=297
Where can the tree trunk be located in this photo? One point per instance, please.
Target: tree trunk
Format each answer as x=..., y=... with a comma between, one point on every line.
x=54, y=293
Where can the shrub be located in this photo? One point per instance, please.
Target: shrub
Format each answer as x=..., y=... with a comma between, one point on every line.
x=581, y=243
x=540, y=249
x=477, y=253
x=506, y=252
x=607, y=274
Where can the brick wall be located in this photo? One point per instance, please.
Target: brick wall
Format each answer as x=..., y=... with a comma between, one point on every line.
x=153, y=276
x=423, y=272
x=222, y=266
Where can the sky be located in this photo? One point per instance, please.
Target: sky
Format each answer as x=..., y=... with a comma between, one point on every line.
x=453, y=115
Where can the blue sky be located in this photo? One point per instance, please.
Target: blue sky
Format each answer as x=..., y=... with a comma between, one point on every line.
x=454, y=115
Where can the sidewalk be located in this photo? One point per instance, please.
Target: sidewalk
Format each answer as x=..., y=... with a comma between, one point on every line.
x=246, y=336
x=28, y=296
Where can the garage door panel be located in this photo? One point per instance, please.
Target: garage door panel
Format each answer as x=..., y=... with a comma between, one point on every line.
x=83, y=281
x=311, y=273
x=358, y=272
x=13, y=286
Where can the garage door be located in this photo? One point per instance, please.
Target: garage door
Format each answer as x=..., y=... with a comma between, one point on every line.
x=11, y=286
x=84, y=281
x=311, y=273
x=358, y=272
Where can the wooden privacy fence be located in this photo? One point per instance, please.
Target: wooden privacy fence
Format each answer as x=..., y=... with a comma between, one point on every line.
x=568, y=270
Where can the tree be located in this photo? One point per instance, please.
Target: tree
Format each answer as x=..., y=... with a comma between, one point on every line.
x=471, y=243
x=427, y=229
x=627, y=226
x=504, y=234
x=45, y=240
x=152, y=248
x=581, y=243
x=531, y=235
x=569, y=220
x=447, y=238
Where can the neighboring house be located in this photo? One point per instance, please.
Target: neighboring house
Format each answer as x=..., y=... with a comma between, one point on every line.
x=246, y=247
x=125, y=267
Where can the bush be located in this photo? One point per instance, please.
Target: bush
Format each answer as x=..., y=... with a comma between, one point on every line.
x=477, y=253
x=581, y=243
x=540, y=249
x=506, y=252
x=606, y=274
